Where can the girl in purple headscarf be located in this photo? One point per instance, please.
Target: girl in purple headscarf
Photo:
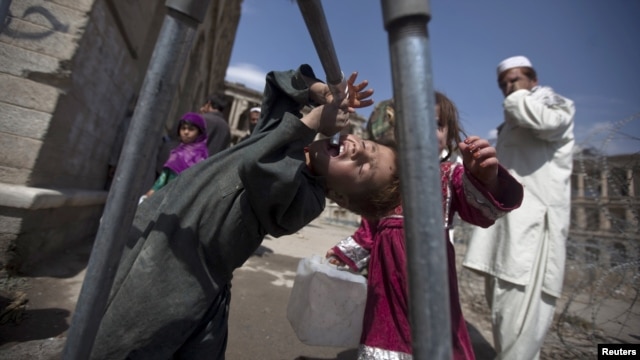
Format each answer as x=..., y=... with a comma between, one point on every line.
x=192, y=149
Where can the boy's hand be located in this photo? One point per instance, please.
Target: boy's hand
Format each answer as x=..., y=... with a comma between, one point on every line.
x=480, y=159
x=358, y=96
x=333, y=116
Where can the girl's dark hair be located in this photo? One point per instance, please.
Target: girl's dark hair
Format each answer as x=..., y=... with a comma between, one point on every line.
x=183, y=121
x=217, y=101
x=448, y=114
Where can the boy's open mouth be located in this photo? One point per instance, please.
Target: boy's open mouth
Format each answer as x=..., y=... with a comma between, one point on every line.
x=335, y=150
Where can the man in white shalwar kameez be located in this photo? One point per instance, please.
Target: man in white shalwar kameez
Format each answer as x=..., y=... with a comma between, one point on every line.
x=523, y=255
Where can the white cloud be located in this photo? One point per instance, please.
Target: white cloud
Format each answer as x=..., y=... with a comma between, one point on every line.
x=249, y=75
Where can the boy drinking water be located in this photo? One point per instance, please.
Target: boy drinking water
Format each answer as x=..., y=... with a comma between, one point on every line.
x=171, y=293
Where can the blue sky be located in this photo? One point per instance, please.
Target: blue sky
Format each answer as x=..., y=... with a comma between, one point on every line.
x=587, y=50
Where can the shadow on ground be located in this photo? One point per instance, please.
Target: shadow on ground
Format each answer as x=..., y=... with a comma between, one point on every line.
x=36, y=325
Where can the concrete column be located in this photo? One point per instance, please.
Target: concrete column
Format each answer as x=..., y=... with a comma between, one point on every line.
x=605, y=223
x=239, y=105
x=580, y=185
x=631, y=215
x=581, y=213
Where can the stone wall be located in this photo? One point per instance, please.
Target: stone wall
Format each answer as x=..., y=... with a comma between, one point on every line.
x=68, y=70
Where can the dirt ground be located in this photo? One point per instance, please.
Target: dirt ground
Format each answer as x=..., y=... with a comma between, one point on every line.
x=258, y=328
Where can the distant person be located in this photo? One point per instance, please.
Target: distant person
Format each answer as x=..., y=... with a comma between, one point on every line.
x=479, y=191
x=381, y=125
x=192, y=149
x=171, y=293
x=254, y=116
x=523, y=255
x=218, y=132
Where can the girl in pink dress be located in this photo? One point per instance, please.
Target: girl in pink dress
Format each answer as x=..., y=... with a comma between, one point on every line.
x=479, y=190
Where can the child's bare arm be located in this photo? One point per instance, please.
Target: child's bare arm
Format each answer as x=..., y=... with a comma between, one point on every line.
x=331, y=116
x=480, y=159
x=327, y=119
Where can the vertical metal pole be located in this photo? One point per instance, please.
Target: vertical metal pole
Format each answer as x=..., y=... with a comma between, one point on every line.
x=316, y=22
x=405, y=22
x=167, y=62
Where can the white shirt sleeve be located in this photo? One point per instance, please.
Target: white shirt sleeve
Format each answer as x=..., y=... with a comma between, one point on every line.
x=547, y=113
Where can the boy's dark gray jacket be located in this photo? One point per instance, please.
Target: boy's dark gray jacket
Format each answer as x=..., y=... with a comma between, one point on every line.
x=188, y=237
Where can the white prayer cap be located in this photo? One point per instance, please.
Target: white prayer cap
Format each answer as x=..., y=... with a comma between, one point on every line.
x=255, y=109
x=513, y=62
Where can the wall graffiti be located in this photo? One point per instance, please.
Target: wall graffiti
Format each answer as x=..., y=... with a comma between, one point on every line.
x=56, y=25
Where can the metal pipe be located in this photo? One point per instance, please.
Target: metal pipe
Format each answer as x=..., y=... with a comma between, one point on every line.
x=405, y=22
x=167, y=62
x=316, y=22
